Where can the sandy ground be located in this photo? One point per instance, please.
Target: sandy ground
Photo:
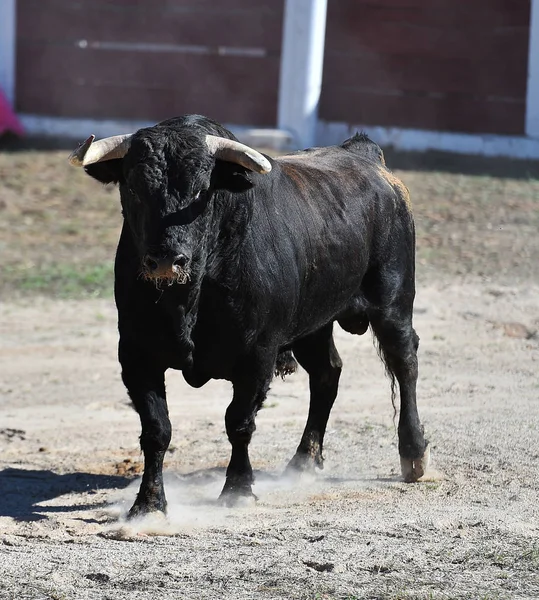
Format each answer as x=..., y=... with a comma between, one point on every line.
x=70, y=463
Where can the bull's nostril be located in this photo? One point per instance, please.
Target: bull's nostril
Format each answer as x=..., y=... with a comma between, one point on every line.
x=180, y=261
x=150, y=263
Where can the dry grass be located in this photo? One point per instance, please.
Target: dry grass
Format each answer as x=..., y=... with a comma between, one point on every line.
x=476, y=224
x=58, y=229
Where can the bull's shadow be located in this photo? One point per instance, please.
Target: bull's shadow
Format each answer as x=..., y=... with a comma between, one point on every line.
x=22, y=490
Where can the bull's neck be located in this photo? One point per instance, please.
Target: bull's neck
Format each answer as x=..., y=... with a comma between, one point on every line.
x=231, y=220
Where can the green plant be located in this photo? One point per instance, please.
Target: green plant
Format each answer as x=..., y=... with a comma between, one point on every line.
x=61, y=280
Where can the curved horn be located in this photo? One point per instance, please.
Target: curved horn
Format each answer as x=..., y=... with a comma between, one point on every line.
x=235, y=152
x=106, y=149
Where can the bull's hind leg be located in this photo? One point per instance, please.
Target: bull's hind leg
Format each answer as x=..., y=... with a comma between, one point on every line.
x=398, y=341
x=317, y=354
x=146, y=386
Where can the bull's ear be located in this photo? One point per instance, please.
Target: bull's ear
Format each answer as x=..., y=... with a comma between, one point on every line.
x=107, y=171
x=230, y=176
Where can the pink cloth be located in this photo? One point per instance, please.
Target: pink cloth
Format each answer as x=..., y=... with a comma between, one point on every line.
x=8, y=119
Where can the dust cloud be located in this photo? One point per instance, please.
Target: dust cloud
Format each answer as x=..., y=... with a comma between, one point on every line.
x=193, y=504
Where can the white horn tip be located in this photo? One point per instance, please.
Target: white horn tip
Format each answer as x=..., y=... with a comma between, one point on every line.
x=265, y=166
x=76, y=158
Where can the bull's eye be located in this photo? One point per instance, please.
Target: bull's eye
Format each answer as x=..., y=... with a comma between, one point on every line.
x=133, y=194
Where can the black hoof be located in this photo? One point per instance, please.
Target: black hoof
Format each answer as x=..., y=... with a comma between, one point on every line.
x=304, y=463
x=237, y=495
x=414, y=469
x=143, y=508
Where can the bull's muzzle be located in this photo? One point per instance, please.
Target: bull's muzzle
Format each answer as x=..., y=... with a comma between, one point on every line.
x=166, y=269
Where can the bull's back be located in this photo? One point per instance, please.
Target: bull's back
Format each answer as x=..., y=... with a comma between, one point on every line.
x=320, y=230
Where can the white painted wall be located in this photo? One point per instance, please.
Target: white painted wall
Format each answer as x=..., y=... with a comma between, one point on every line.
x=532, y=97
x=327, y=134
x=79, y=129
x=420, y=140
x=302, y=61
x=7, y=49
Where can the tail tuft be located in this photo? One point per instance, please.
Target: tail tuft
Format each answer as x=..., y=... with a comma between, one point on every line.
x=285, y=364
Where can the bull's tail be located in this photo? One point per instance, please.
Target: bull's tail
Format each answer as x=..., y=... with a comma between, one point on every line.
x=389, y=373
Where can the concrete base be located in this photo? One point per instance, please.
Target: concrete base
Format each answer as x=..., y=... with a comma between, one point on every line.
x=422, y=140
x=80, y=129
x=327, y=134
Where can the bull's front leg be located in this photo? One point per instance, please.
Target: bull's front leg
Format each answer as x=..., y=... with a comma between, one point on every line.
x=250, y=390
x=145, y=383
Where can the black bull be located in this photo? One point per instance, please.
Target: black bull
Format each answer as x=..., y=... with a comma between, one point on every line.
x=229, y=266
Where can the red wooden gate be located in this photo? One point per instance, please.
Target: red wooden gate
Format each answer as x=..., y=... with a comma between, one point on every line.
x=449, y=65
x=142, y=59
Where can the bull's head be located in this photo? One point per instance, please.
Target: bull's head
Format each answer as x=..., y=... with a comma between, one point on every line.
x=167, y=179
